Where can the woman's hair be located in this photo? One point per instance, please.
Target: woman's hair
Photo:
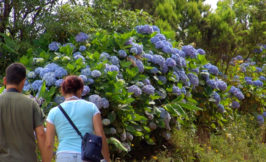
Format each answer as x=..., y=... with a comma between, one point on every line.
x=72, y=84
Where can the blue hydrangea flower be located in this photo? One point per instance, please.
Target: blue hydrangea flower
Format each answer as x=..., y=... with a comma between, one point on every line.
x=104, y=56
x=213, y=69
x=82, y=48
x=190, y=51
x=140, y=84
x=221, y=85
x=194, y=80
x=90, y=81
x=96, y=99
x=144, y=29
x=201, y=51
x=216, y=97
x=258, y=69
x=212, y=83
x=176, y=90
x=86, y=71
x=104, y=103
x=237, y=92
x=155, y=28
x=158, y=59
x=59, y=82
x=257, y=83
x=262, y=78
x=148, y=89
x=154, y=70
x=140, y=65
x=86, y=90
x=260, y=119
x=76, y=54
x=136, y=49
x=111, y=68
x=221, y=108
x=183, y=62
x=96, y=73
x=36, y=85
x=135, y=90
x=154, y=40
x=26, y=87
x=146, y=81
x=264, y=114
x=162, y=79
x=167, y=49
x=164, y=68
x=79, y=57
x=248, y=78
x=84, y=78
x=175, y=51
x=81, y=37
x=149, y=57
x=31, y=75
x=170, y=62
x=196, y=70
x=184, y=78
x=130, y=41
x=54, y=46
x=249, y=82
x=38, y=70
x=235, y=104
x=114, y=60
x=52, y=67
x=159, y=44
x=60, y=72
x=49, y=78
x=122, y=53
x=59, y=99
x=44, y=71
x=183, y=90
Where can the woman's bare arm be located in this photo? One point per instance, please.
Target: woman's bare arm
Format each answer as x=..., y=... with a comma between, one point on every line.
x=98, y=128
x=49, y=143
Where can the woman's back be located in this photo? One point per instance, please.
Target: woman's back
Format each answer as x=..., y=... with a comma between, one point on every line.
x=81, y=112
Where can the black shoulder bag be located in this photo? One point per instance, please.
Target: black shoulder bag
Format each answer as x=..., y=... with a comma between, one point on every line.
x=91, y=146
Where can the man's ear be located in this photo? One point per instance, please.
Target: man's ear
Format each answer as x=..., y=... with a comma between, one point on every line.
x=4, y=81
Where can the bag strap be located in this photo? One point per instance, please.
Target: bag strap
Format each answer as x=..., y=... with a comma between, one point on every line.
x=70, y=121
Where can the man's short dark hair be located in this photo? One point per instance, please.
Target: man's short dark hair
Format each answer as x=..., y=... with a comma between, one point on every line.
x=15, y=73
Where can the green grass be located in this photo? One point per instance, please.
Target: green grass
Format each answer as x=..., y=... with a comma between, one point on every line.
x=239, y=141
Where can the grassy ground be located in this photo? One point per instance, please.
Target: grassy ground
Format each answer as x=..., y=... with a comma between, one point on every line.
x=242, y=140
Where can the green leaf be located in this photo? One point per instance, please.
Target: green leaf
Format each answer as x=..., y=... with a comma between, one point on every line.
x=189, y=106
x=2, y=89
x=117, y=144
x=111, y=116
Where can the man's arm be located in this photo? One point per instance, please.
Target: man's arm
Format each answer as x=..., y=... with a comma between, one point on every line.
x=40, y=134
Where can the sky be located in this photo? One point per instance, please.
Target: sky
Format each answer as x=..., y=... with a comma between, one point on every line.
x=212, y=3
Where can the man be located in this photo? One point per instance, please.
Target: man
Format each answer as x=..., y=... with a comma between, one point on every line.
x=20, y=116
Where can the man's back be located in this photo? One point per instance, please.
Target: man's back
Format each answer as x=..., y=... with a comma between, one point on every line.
x=19, y=116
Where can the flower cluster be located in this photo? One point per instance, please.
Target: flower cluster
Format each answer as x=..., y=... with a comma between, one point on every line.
x=98, y=101
x=135, y=90
x=81, y=37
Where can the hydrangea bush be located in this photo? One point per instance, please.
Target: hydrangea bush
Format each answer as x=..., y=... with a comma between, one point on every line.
x=248, y=80
x=143, y=84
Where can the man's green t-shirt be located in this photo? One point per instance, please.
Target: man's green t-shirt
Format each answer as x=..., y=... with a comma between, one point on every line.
x=19, y=116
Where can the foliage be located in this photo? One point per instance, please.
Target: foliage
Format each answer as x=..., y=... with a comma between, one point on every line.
x=240, y=141
x=143, y=93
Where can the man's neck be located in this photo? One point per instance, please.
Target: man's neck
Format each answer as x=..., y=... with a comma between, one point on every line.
x=13, y=86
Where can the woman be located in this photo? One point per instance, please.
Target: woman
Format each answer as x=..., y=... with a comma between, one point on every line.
x=85, y=116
